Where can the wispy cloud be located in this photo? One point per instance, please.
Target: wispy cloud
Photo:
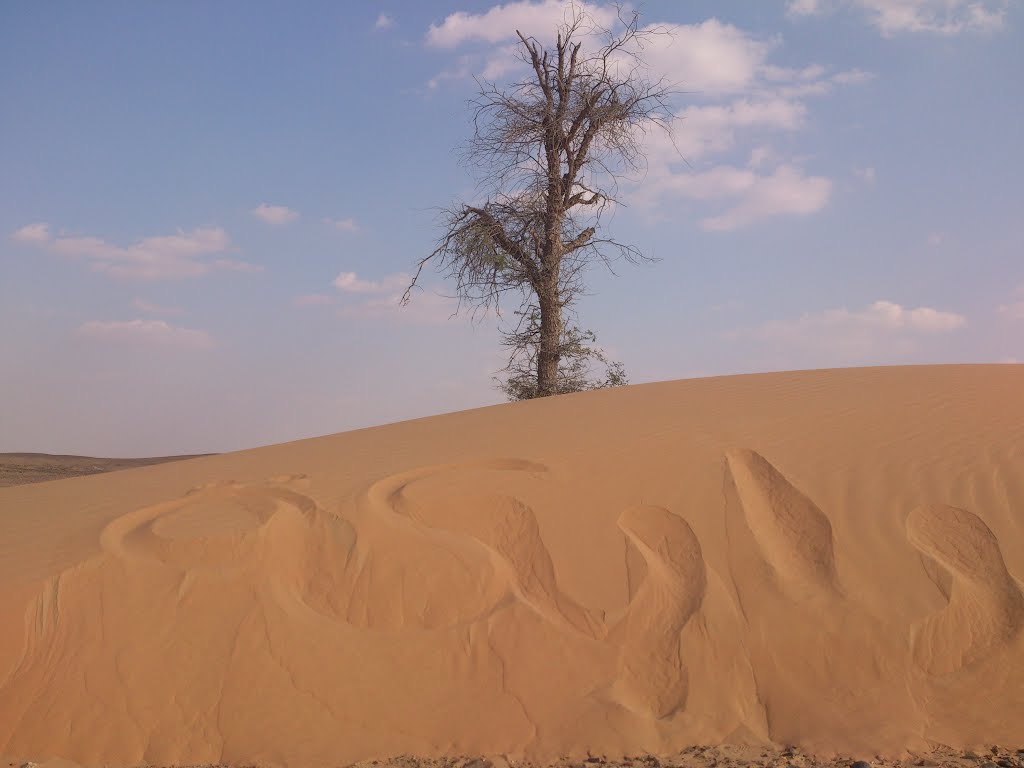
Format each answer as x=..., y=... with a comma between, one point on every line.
x=845, y=335
x=32, y=233
x=276, y=215
x=155, y=332
x=750, y=195
x=803, y=7
x=343, y=225
x=424, y=308
x=382, y=299
x=350, y=282
x=737, y=98
x=891, y=17
x=163, y=257
x=701, y=159
x=384, y=21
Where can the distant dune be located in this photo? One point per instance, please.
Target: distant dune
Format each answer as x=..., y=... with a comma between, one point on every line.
x=826, y=559
x=20, y=468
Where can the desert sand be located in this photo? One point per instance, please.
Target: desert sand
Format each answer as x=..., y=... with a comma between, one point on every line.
x=827, y=559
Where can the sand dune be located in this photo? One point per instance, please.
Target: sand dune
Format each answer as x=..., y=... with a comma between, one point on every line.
x=829, y=559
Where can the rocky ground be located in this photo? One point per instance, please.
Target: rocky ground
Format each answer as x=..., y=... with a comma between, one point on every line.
x=726, y=756
x=21, y=468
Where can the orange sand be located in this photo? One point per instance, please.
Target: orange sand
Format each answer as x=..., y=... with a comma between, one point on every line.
x=830, y=559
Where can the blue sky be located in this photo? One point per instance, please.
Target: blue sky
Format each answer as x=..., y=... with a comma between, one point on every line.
x=207, y=209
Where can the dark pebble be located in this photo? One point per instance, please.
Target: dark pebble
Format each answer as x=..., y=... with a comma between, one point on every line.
x=861, y=764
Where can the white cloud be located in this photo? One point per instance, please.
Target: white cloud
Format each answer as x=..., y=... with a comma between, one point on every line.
x=709, y=57
x=750, y=195
x=500, y=23
x=803, y=7
x=384, y=21
x=164, y=257
x=343, y=225
x=350, y=282
x=740, y=101
x=32, y=233
x=711, y=129
x=880, y=315
x=786, y=191
x=882, y=328
x=155, y=309
x=735, y=98
x=942, y=17
x=274, y=214
x=157, y=332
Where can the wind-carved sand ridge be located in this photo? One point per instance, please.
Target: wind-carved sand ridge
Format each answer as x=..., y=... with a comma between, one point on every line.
x=212, y=526
x=558, y=599
x=794, y=535
x=986, y=606
x=505, y=527
x=653, y=675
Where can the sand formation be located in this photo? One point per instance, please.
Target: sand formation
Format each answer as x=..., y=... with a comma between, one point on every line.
x=828, y=559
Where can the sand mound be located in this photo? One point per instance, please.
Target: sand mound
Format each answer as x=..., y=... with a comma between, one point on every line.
x=652, y=672
x=793, y=535
x=986, y=606
x=785, y=559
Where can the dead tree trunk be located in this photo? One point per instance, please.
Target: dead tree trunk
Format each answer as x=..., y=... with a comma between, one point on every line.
x=549, y=354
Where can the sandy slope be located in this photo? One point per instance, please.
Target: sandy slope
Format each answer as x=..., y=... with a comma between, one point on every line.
x=830, y=559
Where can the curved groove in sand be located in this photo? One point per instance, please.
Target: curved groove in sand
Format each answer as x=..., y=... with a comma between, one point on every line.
x=985, y=608
x=213, y=525
x=652, y=674
x=504, y=526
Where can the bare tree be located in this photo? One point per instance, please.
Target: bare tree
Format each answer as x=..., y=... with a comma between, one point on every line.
x=550, y=150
